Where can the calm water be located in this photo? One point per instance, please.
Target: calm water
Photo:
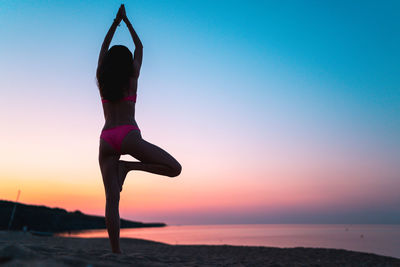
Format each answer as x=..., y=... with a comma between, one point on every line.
x=378, y=239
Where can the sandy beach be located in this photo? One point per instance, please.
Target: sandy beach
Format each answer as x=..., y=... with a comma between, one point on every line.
x=24, y=249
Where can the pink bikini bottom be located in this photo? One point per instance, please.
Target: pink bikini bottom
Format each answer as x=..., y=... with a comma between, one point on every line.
x=114, y=136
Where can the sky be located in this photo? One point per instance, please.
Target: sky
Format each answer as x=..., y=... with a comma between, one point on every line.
x=278, y=111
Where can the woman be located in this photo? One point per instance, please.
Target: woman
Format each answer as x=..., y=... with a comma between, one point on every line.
x=117, y=77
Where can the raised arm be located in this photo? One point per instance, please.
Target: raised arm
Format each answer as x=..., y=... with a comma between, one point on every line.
x=138, y=55
x=110, y=34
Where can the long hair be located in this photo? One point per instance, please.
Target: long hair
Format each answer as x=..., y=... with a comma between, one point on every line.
x=114, y=72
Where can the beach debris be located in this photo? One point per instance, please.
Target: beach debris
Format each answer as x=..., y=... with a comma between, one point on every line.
x=39, y=233
x=13, y=211
x=5, y=259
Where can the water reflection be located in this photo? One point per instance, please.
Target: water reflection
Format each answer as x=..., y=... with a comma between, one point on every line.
x=379, y=239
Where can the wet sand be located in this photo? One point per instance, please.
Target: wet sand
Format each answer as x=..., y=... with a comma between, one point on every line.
x=24, y=249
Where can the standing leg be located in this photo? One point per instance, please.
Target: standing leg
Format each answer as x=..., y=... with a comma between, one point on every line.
x=109, y=171
x=112, y=217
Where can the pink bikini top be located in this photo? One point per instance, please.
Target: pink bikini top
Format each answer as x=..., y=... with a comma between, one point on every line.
x=127, y=98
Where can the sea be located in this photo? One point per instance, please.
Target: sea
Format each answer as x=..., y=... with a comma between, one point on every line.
x=372, y=238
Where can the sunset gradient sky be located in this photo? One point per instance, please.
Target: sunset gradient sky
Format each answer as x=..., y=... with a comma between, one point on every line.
x=279, y=112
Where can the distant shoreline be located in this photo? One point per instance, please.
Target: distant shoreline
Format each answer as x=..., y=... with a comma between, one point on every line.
x=55, y=220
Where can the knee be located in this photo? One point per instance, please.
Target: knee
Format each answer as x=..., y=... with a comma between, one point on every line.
x=176, y=170
x=112, y=196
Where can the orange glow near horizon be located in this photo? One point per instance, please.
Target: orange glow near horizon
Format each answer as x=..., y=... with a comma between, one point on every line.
x=146, y=194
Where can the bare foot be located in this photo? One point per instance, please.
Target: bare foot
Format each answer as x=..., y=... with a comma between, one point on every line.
x=119, y=251
x=122, y=172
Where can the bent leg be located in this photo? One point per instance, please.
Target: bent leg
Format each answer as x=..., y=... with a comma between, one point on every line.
x=159, y=169
x=152, y=158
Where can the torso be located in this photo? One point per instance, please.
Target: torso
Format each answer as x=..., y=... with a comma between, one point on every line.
x=121, y=112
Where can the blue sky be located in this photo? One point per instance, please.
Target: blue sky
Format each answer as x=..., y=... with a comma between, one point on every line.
x=306, y=87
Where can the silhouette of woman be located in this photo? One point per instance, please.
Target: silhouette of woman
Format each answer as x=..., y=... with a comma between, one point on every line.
x=117, y=78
